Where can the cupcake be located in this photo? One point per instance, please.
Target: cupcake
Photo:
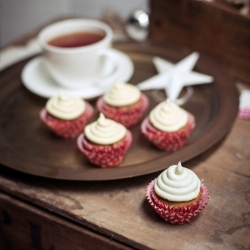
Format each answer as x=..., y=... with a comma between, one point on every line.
x=104, y=142
x=66, y=116
x=168, y=126
x=124, y=103
x=177, y=195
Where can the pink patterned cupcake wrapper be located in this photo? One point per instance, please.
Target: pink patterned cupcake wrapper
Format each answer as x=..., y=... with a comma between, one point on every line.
x=105, y=156
x=189, y=208
x=128, y=116
x=69, y=128
x=171, y=141
x=170, y=214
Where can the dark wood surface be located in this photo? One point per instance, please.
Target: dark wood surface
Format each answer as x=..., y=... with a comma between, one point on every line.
x=208, y=26
x=26, y=227
x=118, y=209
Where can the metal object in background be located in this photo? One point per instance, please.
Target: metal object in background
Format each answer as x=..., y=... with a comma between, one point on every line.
x=137, y=25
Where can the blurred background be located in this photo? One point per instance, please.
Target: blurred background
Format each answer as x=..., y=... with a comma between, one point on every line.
x=19, y=18
x=220, y=28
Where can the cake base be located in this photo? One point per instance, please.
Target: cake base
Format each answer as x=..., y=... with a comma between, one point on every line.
x=176, y=217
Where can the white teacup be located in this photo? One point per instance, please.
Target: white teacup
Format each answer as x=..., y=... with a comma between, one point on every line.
x=77, y=65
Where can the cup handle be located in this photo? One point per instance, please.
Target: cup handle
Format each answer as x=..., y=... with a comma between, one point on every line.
x=108, y=67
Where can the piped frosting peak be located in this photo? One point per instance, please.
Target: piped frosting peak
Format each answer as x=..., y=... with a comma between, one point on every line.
x=168, y=117
x=177, y=183
x=122, y=94
x=65, y=107
x=105, y=131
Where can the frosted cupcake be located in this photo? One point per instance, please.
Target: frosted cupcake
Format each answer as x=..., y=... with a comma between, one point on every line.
x=124, y=103
x=66, y=116
x=168, y=126
x=105, y=142
x=177, y=195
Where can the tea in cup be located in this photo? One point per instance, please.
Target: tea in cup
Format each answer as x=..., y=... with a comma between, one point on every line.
x=75, y=51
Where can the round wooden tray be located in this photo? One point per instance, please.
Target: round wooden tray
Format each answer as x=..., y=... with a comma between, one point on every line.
x=27, y=145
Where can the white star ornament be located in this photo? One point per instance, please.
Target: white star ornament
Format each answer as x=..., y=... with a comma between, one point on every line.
x=173, y=77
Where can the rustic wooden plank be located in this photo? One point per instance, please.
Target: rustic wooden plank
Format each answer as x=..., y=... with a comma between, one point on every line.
x=207, y=26
x=118, y=209
x=23, y=226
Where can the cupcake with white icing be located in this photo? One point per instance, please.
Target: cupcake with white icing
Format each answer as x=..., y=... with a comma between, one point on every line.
x=177, y=194
x=168, y=126
x=66, y=116
x=104, y=142
x=123, y=103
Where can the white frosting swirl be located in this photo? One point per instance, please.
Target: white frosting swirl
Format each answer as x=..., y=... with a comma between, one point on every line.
x=168, y=117
x=177, y=184
x=105, y=131
x=122, y=94
x=65, y=107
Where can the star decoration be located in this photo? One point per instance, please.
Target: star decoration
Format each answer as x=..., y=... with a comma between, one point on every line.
x=173, y=77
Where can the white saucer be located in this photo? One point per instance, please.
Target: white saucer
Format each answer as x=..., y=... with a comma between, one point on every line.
x=36, y=79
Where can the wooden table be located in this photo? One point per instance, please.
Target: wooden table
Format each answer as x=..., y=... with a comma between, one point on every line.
x=38, y=213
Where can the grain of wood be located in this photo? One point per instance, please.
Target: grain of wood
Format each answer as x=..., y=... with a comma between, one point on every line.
x=119, y=209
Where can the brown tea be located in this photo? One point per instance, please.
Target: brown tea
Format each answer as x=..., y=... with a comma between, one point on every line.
x=78, y=39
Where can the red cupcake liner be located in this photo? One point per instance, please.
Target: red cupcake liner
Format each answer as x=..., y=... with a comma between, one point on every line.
x=128, y=116
x=67, y=128
x=105, y=156
x=168, y=141
x=189, y=208
x=170, y=214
